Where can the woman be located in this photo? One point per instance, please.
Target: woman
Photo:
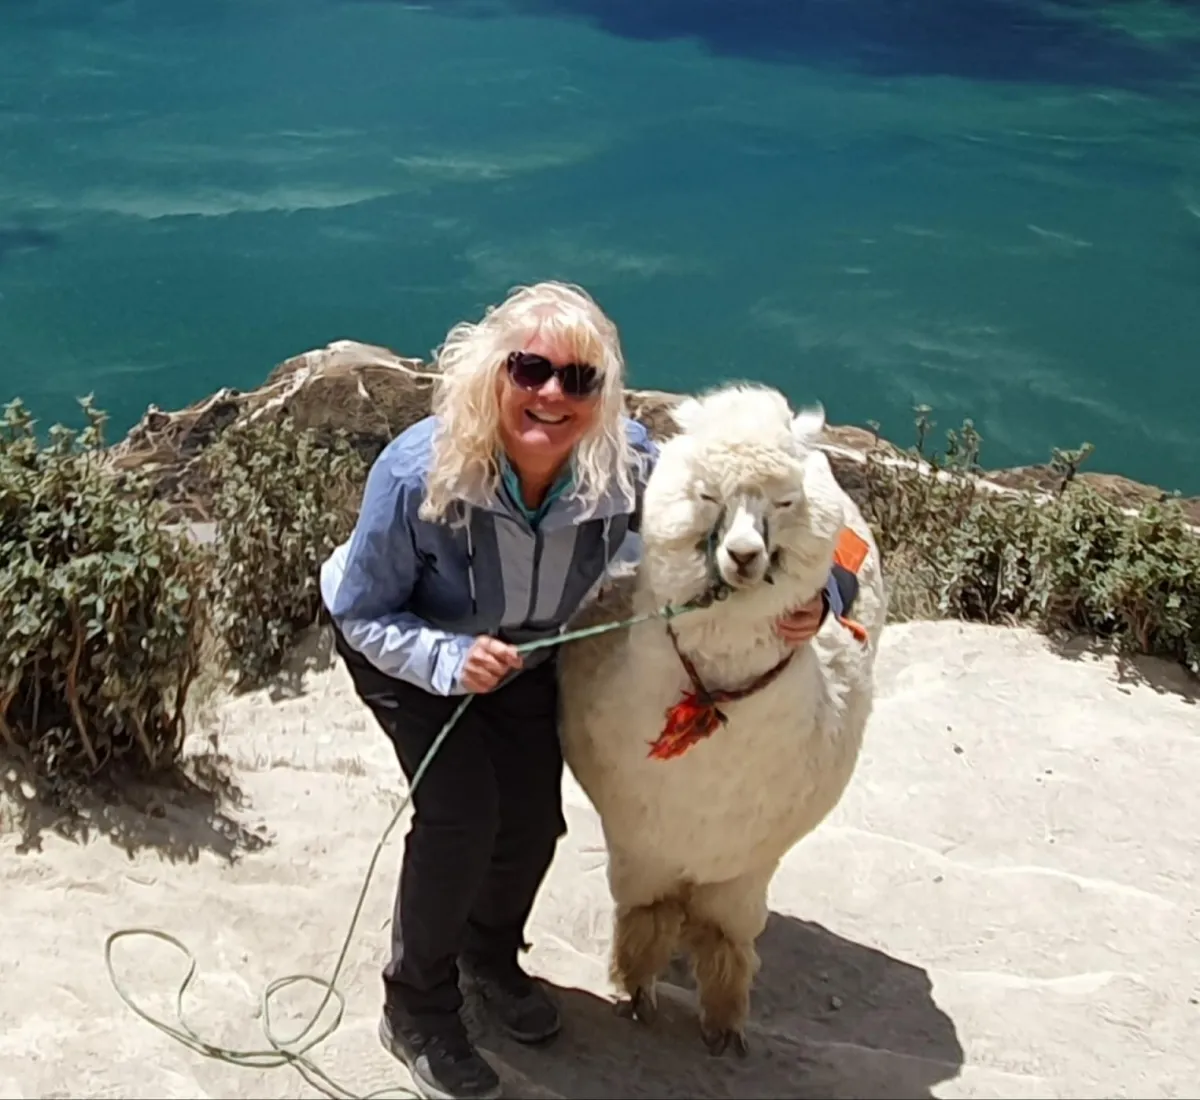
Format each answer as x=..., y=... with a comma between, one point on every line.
x=484, y=526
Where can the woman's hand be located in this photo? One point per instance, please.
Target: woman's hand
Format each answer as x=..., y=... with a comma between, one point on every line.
x=488, y=662
x=797, y=627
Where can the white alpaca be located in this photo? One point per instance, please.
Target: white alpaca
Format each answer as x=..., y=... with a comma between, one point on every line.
x=694, y=839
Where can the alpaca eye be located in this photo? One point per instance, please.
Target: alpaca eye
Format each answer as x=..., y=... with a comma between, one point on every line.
x=708, y=498
x=786, y=502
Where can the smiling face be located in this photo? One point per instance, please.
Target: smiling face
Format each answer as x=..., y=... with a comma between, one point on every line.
x=540, y=425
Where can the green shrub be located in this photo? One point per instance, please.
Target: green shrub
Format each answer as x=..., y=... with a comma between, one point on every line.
x=1142, y=585
x=282, y=500
x=1074, y=562
x=108, y=613
x=102, y=609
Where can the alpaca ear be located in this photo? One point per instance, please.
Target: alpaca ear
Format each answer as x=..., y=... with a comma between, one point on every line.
x=684, y=413
x=808, y=424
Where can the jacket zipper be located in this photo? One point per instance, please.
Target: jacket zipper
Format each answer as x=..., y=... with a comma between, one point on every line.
x=533, y=578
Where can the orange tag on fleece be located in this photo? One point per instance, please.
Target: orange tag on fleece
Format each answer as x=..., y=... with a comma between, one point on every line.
x=851, y=551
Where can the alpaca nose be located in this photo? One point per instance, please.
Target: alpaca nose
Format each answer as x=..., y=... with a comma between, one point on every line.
x=743, y=559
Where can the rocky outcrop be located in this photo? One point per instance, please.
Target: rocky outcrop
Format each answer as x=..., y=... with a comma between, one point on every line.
x=370, y=393
x=367, y=392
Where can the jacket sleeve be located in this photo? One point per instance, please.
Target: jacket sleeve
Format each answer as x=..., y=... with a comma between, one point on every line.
x=368, y=600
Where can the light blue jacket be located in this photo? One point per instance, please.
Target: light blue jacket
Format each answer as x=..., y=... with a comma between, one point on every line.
x=411, y=595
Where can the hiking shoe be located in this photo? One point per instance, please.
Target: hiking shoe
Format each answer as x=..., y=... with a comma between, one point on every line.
x=521, y=1005
x=444, y=1065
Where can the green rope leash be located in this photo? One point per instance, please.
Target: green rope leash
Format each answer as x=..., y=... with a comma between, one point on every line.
x=294, y=1051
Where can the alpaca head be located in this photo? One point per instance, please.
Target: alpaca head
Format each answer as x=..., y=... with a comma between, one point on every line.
x=744, y=493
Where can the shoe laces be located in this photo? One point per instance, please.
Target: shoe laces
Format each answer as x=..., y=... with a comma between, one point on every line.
x=454, y=1046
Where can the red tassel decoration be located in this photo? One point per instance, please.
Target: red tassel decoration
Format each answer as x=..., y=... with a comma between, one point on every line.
x=688, y=722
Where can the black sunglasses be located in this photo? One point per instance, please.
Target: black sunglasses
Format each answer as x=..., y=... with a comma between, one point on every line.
x=532, y=372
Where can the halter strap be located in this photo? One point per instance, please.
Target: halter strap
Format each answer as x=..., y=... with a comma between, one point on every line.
x=707, y=697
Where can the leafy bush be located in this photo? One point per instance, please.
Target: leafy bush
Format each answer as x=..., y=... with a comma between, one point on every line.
x=283, y=499
x=108, y=613
x=102, y=609
x=955, y=548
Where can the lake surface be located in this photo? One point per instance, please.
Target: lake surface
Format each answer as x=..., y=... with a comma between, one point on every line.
x=990, y=207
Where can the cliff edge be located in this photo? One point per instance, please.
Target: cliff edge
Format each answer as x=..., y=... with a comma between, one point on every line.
x=370, y=393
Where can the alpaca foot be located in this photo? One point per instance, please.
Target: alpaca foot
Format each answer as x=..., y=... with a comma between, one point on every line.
x=724, y=971
x=645, y=940
x=720, y=1040
x=641, y=1006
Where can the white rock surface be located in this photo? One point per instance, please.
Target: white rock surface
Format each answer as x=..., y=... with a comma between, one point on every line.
x=1005, y=905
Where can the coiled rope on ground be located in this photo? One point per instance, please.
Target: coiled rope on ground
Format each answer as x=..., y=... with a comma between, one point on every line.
x=294, y=1051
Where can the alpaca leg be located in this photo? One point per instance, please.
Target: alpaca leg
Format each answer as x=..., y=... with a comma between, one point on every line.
x=645, y=939
x=724, y=973
x=648, y=925
x=723, y=921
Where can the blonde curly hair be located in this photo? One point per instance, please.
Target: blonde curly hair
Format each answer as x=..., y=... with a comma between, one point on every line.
x=466, y=444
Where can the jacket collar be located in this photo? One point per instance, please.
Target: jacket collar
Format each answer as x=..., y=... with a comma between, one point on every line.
x=563, y=510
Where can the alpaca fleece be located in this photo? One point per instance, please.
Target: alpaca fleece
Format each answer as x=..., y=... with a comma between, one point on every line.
x=694, y=841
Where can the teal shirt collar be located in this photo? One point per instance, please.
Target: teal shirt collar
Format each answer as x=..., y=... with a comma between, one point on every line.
x=513, y=486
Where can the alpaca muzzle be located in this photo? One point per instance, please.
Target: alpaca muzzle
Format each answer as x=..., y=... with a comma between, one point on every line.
x=742, y=567
x=738, y=555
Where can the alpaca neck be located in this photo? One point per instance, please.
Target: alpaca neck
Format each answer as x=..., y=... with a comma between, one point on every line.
x=730, y=686
x=735, y=640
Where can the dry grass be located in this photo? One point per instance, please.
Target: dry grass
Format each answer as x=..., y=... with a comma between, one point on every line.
x=307, y=762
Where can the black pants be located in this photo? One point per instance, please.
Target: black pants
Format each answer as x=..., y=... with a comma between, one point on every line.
x=487, y=818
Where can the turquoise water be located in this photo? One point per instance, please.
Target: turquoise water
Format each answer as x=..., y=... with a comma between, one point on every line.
x=990, y=207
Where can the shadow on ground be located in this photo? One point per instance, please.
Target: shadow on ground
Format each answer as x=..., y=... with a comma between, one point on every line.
x=313, y=652
x=831, y=1018
x=1133, y=670
x=178, y=816
x=1064, y=42
x=310, y=652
